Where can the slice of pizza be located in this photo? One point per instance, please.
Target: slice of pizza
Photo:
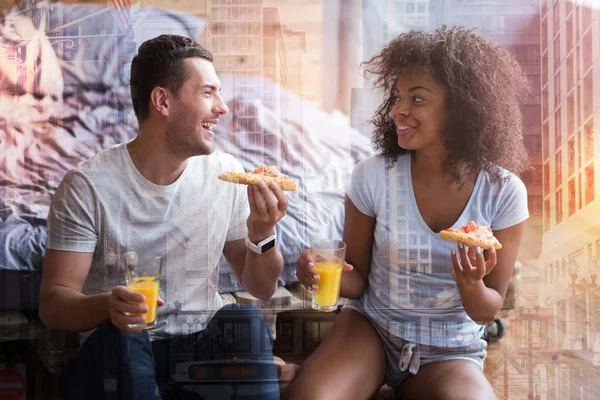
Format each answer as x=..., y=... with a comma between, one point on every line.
x=263, y=173
x=472, y=235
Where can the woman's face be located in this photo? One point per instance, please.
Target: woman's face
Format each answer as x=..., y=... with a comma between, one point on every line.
x=420, y=110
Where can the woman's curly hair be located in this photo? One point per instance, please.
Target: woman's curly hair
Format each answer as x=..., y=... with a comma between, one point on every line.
x=484, y=83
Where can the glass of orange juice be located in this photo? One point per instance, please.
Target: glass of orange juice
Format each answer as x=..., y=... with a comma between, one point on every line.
x=142, y=275
x=329, y=258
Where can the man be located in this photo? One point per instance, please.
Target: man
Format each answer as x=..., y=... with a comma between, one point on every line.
x=158, y=192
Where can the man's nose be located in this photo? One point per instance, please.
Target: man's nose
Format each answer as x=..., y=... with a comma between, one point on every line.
x=220, y=107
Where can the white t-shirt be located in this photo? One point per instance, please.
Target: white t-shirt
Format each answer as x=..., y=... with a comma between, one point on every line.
x=107, y=207
x=411, y=292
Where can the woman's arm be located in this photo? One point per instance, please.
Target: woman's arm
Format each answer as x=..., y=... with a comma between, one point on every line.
x=483, y=295
x=358, y=235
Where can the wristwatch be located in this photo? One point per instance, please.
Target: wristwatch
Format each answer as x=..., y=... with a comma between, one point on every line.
x=262, y=246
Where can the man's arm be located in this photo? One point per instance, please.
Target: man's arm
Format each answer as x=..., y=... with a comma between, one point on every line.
x=257, y=273
x=62, y=305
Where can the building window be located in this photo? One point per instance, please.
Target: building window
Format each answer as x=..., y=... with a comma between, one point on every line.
x=568, y=7
x=557, y=128
x=587, y=51
x=570, y=114
x=400, y=8
x=577, y=64
x=546, y=177
x=557, y=88
x=546, y=215
x=589, y=184
x=544, y=34
x=544, y=8
x=533, y=143
x=410, y=8
x=545, y=140
x=421, y=8
x=572, y=197
x=589, y=140
x=556, y=16
x=558, y=206
x=535, y=204
x=580, y=190
x=558, y=169
x=571, y=156
x=578, y=147
x=570, y=73
x=588, y=95
x=578, y=107
x=586, y=18
x=545, y=69
x=556, y=48
x=569, y=37
x=545, y=105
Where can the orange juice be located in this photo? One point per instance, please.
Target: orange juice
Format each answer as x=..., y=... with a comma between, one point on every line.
x=148, y=286
x=328, y=289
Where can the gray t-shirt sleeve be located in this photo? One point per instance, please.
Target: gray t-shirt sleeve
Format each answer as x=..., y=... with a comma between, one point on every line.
x=362, y=187
x=512, y=209
x=71, y=221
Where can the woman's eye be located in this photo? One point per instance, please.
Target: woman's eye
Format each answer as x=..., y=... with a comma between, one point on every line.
x=417, y=99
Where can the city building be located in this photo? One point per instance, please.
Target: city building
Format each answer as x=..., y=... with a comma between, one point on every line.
x=570, y=47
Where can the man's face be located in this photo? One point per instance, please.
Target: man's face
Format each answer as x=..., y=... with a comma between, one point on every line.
x=196, y=109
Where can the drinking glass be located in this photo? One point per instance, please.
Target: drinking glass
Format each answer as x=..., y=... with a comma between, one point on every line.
x=329, y=258
x=142, y=275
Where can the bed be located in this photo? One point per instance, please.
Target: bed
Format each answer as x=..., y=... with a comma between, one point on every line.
x=72, y=100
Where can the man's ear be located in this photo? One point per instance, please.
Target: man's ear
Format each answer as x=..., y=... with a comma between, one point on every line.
x=160, y=100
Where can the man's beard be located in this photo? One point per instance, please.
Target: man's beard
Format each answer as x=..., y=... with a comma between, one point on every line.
x=185, y=141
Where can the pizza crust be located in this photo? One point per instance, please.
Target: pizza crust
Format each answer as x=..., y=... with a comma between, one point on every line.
x=457, y=236
x=250, y=178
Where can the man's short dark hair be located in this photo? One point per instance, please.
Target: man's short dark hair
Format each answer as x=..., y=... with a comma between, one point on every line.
x=160, y=62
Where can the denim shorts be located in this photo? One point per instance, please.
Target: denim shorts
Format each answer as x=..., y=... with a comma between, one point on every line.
x=403, y=358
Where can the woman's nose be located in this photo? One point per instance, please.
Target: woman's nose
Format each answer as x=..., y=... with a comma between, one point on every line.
x=400, y=108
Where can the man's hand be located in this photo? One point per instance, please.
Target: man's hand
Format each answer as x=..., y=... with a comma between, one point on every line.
x=122, y=308
x=268, y=204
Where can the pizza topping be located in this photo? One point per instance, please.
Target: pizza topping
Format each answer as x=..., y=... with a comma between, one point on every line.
x=481, y=232
x=470, y=227
x=269, y=171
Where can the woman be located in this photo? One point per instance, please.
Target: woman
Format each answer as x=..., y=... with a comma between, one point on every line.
x=449, y=132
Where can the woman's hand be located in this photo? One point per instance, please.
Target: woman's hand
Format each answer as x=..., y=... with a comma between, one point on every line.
x=306, y=273
x=470, y=266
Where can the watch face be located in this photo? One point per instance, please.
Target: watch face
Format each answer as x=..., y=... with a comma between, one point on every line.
x=268, y=246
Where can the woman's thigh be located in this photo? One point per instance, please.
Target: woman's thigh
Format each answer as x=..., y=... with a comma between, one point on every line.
x=348, y=364
x=447, y=380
